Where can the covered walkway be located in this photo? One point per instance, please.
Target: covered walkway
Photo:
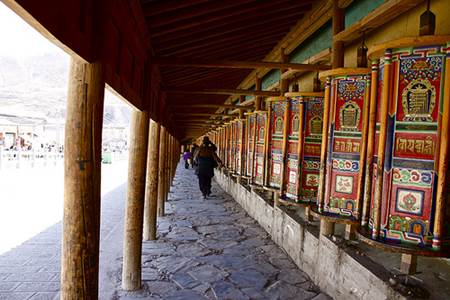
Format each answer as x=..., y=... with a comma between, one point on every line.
x=205, y=250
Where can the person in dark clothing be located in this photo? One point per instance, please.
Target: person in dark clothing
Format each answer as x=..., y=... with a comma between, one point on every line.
x=206, y=160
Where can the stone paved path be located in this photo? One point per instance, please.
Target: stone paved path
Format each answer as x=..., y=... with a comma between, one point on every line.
x=206, y=250
x=211, y=249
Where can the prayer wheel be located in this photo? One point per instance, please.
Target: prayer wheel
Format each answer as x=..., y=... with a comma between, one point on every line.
x=278, y=118
x=346, y=105
x=407, y=178
x=304, y=136
x=260, y=147
x=251, y=143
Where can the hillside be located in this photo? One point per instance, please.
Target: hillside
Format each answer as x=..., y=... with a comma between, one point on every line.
x=34, y=89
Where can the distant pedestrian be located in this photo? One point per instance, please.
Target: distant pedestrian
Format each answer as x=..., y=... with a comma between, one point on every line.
x=206, y=160
x=187, y=156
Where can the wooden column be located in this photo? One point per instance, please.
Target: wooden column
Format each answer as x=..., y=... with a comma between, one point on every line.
x=134, y=211
x=267, y=130
x=327, y=228
x=258, y=87
x=370, y=144
x=385, y=100
x=82, y=176
x=167, y=172
x=284, y=146
x=337, y=50
x=151, y=190
x=443, y=166
x=161, y=171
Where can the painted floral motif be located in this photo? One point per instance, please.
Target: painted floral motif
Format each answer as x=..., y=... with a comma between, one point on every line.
x=351, y=90
x=422, y=68
x=312, y=180
x=412, y=177
x=345, y=165
x=344, y=184
x=409, y=201
x=311, y=165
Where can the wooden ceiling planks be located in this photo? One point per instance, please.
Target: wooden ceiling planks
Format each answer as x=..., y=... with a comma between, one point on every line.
x=244, y=30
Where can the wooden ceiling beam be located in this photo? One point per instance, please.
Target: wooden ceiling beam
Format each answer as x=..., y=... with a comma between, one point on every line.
x=196, y=11
x=228, y=38
x=320, y=13
x=200, y=63
x=193, y=91
x=214, y=45
x=232, y=106
x=204, y=114
x=234, y=24
x=152, y=8
x=219, y=16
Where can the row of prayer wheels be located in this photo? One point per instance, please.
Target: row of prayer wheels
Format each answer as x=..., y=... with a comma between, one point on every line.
x=371, y=150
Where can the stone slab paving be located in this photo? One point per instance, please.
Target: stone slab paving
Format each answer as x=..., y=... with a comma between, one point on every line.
x=211, y=249
x=206, y=249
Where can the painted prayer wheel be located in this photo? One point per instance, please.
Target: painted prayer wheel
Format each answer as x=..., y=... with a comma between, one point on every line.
x=406, y=197
x=347, y=100
x=278, y=118
x=233, y=147
x=251, y=143
x=304, y=137
x=241, y=146
x=260, y=143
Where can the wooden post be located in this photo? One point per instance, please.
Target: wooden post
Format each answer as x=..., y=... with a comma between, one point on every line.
x=381, y=146
x=301, y=113
x=284, y=146
x=324, y=146
x=326, y=227
x=166, y=168
x=408, y=264
x=134, y=211
x=444, y=158
x=161, y=172
x=151, y=191
x=258, y=87
x=308, y=215
x=267, y=130
x=370, y=145
x=337, y=50
x=82, y=177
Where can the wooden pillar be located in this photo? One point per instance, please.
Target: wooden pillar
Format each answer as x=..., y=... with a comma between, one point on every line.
x=161, y=172
x=166, y=168
x=443, y=166
x=82, y=177
x=326, y=227
x=385, y=100
x=337, y=46
x=258, y=99
x=267, y=130
x=134, y=211
x=151, y=190
x=408, y=264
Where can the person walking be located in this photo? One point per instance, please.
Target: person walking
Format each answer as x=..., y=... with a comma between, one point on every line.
x=206, y=160
x=187, y=155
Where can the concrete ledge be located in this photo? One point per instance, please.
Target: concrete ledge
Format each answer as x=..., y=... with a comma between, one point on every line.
x=338, y=271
